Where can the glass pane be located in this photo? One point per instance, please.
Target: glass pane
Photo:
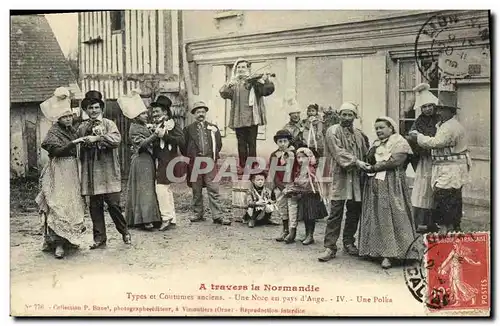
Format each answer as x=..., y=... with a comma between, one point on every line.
x=430, y=72
x=405, y=126
x=406, y=103
x=407, y=74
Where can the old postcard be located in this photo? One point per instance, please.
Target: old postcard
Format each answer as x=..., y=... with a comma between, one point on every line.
x=250, y=163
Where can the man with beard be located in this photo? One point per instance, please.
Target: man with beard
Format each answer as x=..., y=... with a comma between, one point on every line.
x=165, y=149
x=347, y=147
x=248, y=110
x=203, y=139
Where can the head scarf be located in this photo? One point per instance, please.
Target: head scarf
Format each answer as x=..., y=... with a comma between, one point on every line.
x=307, y=152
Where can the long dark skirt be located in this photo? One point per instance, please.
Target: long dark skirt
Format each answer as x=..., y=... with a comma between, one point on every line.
x=311, y=207
x=142, y=203
x=386, y=225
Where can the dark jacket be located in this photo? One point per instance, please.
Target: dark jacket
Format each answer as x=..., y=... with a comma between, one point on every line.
x=174, y=138
x=193, y=147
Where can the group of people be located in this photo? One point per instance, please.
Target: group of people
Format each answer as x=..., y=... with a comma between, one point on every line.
x=368, y=181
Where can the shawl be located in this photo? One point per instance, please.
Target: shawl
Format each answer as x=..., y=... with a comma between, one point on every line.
x=385, y=147
x=393, y=144
x=59, y=136
x=426, y=124
x=137, y=134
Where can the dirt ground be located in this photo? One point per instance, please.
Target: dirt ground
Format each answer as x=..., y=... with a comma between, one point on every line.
x=189, y=250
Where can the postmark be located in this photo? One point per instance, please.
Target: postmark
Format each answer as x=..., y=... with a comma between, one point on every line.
x=447, y=43
x=436, y=275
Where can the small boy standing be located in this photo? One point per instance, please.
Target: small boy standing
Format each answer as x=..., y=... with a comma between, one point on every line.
x=287, y=206
x=259, y=201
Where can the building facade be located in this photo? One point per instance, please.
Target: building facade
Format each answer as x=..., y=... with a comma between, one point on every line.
x=373, y=58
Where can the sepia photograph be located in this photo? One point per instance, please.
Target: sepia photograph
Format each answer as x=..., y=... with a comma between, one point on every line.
x=250, y=163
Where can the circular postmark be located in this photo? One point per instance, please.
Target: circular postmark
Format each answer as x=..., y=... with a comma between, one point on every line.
x=444, y=42
x=420, y=263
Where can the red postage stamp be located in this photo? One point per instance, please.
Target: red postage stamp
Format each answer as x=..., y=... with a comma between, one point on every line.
x=458, y=271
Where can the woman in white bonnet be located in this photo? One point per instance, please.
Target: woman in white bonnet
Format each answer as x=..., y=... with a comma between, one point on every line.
x=60, y=201
x=422, y=194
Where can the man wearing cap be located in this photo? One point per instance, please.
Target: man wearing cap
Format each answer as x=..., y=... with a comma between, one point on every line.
x=203, y=139
x=101, y=177
x=296, y=127
x=248, y=110
x=346, y=146
x=450, y=166
x=171, y=138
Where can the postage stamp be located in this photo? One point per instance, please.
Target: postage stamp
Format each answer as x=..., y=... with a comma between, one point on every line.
x=458, y=268
x=450, y=272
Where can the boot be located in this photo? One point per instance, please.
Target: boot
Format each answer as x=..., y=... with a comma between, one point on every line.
x=59, y=253
x=306, y=227
x=284, y=234
x=328, y=254
x=351, y=249
x=310, y=235
x=290, y=238
x=386, y=263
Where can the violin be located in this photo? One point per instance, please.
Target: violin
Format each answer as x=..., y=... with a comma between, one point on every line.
x=254, y=77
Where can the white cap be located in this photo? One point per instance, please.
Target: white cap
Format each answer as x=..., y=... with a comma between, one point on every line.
x=349, y=106
x=132, y=105
x=58, y=105
x=423, y=95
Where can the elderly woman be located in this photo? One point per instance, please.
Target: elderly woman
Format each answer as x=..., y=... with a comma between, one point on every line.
x=142, y=208
x=386, y=226
x=422, y=195
x=60, y=201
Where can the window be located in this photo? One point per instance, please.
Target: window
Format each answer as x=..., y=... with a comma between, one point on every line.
x=116, y=21
x=409, y=77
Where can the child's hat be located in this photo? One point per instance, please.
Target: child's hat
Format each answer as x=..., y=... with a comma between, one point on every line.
x=262, y=173
x=282, y=134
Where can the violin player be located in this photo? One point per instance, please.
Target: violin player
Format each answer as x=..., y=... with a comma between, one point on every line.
x=248, y=110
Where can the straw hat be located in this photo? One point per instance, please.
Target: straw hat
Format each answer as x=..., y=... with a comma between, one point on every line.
x=199, y=105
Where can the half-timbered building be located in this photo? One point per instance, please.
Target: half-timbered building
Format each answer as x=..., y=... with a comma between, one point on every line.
x=127, y=49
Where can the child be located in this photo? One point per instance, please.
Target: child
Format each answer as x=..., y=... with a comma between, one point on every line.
x=287, y=207
x=259, y=201
x=307, y=191
x=313, y=134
